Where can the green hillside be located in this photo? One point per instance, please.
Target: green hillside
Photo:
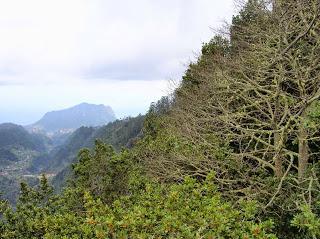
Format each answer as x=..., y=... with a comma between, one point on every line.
x=120, y=133
x=232, y=153
x=12, y=135
x=21, y=161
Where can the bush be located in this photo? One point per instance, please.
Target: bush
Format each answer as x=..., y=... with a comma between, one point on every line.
x=187, y=210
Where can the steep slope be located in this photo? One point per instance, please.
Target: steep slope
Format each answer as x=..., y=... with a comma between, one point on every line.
x=121, y=133
x=62, y=156
x=70, y=119
x=15, y=135
x=18, y=148
x=16, y=143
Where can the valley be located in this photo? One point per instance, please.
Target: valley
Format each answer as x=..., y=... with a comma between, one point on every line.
x=27, y=153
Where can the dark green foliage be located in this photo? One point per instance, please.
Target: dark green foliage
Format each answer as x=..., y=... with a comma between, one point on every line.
x=26, y=221
x=153, y=123
x=248, y=14
x=10, y=187
x=211, y=52
x=232, y=153
x=161, y=107
x=12, y=135
x=60, y=179
x=308, y=222
x=62, y=156
x=253, y=13
x=17, y=149
x=120, y=133
x=218, y=45
x=151, y=210
x=102, y=172
x=6, y=157
x=188, y=210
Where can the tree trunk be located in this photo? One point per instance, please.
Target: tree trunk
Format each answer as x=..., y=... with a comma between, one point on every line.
x=303, y=150
x=278, y=141
x=278, y=157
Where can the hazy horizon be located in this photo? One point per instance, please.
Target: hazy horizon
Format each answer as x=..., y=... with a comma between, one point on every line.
x=71, y=106
x=57, y=54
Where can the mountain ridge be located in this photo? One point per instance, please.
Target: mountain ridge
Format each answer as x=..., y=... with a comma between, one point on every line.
x=67, y=120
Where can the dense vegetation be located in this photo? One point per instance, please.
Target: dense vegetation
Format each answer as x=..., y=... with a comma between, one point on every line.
x=232, y=153
x=16, y=136
x=120, y=133
x=20, y=162
x=17, y=149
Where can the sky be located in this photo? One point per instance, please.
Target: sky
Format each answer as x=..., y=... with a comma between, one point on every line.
x=58, y=53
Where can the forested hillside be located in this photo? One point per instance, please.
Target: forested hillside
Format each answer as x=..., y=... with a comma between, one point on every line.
x=16, y=136
x=232, y=153
x=18, y=149
x=25, y=156
x=120, y=134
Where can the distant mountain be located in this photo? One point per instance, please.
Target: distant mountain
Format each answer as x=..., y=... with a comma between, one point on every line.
x=68, y=120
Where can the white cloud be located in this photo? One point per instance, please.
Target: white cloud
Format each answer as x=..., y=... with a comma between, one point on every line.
x=66, y=43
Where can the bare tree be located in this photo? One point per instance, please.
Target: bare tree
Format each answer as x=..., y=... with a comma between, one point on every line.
x=253, y=91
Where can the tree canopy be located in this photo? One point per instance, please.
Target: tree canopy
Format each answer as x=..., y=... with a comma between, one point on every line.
x=232, y=153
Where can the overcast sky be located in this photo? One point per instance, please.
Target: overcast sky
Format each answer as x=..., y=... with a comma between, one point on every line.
x=59, y=53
